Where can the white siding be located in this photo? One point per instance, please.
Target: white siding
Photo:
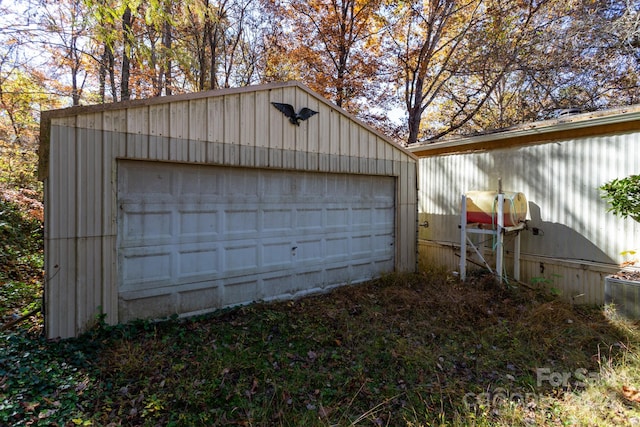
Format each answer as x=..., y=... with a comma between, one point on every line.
x=561, y=181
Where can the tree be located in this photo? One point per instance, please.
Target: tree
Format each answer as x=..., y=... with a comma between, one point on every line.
x=524, y=39
x=64, y=31
x=25, y=90
x=610, y=51
x=455, y=58
x=334, y=46
x=221, y=40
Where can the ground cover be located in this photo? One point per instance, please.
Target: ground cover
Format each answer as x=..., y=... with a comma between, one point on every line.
x=420, y=349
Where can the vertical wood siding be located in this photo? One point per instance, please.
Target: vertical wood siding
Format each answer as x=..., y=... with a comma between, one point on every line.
x=561, y=181
x=239, y=128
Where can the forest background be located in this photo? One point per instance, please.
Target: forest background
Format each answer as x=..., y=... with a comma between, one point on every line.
x=415, y=70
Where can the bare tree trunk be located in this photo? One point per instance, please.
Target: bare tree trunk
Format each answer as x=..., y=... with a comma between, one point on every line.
x=167, y=39
x=414, y=108
x=102, y=75
x=126, y=55
x=112, y=75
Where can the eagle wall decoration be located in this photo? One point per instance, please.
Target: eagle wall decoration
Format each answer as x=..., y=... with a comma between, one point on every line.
x=294, y=118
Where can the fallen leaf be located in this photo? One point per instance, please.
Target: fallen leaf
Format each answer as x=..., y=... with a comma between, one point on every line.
x=631, y=393
x=30, y=406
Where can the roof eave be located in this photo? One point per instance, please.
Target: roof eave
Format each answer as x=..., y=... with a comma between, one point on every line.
x=602, y=122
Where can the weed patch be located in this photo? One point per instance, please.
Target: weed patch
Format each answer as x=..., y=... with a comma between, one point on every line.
x=415, y=350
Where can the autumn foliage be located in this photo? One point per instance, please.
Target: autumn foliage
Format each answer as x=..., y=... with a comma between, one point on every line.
x=418, y=70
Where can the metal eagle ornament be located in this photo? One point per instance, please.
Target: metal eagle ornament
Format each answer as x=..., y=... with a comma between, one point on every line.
x=294, y=118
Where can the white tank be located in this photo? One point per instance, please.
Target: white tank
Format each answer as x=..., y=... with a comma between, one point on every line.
x=482, y=207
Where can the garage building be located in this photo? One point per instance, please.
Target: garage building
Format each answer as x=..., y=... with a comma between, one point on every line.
x=190, y=203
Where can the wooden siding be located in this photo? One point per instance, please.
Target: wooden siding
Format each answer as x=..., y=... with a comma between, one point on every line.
x=561, y=181
x=241, y=128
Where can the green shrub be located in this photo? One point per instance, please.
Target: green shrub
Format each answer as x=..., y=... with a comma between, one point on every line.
x=21, y=254
x=623, y=196
x=21, y=241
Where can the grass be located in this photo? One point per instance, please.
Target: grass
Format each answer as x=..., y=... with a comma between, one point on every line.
x=403, y=350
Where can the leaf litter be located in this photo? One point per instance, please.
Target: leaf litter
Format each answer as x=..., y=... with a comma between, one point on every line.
x=400, y=350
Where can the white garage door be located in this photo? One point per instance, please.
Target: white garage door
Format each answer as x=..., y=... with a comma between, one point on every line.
x=193, y=238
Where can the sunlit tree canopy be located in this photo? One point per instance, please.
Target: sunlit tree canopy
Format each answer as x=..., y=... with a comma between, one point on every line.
x=418, y=70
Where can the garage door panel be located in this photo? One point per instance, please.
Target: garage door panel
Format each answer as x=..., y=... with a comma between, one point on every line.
x=361, y=217
x=311, y=251
x=202, y=222
x=148, y=180
x=310, y=220
x=245, y=234
x=148, y=224
x=200, y=182
x=277, y=254
x=143, y=268
x=361, y=246
x=277, y=220
x=239, y=291
x=278, y=186
x=241, y=258
x=382, y=216
x=199, y=299
x=337, y=248
x=279, y=285
x=335, y=274
x=337, y=219
x=241, y=221
x=198, y=261
x=382, y=245
x=241, y=185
